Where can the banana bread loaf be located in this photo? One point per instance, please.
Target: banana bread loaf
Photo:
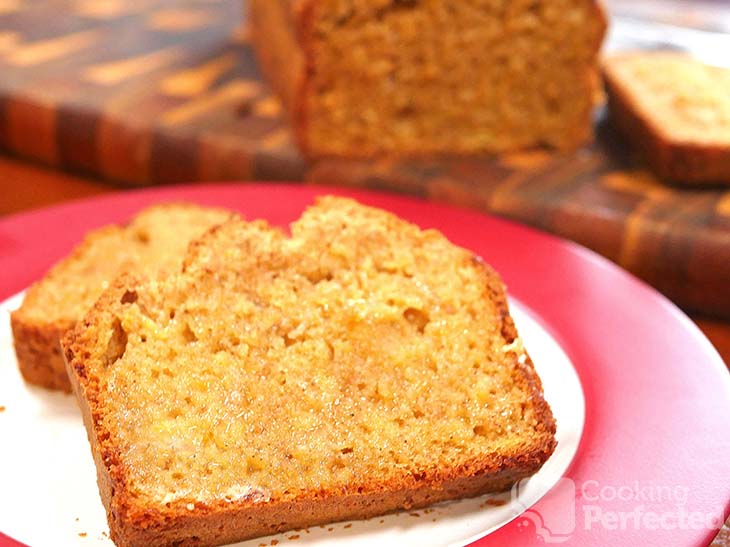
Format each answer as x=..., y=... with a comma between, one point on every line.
x=359, y=366
x=156, y=238
x=362, y=77
x=675, y=110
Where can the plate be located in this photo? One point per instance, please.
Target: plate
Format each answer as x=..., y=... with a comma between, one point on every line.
x=651, y=465
x=70, y=505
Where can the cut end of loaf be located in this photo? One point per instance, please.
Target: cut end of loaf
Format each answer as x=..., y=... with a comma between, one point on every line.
x=437, y=76
x=360, y=366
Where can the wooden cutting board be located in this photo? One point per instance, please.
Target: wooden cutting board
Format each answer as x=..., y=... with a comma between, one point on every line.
x=162, y=91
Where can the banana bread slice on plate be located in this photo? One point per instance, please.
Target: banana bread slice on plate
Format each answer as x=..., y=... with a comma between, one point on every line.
x=355, y=367
x=156, y=238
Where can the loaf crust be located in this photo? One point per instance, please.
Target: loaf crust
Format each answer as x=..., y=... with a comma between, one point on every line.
x=283, y=33
x=38, y=351
x=39, y=323
x=203, y=522
x=672, y=154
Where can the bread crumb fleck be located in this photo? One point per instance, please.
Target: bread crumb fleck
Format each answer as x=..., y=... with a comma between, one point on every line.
x=293, y=537
x=82, y=534
x=348, y=525
x=2, y=408
x=414, y=514
x=382, y=521
x=274, y=542
x=493, y=503
x=330, y=529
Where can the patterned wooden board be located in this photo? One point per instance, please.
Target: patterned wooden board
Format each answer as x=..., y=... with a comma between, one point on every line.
x=160, y=91
x=151, y=91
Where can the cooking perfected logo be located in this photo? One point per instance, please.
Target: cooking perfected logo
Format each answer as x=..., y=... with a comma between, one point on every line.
x=591, y=505
x=555, y=521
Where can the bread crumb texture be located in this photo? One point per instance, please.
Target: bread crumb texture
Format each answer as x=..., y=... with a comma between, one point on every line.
x=359, y=354
x=154, y=241
x=437, y=75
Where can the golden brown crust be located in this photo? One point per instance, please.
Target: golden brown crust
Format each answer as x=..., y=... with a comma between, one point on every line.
x=86, y=388
x=278, y=31
x=38, y=351
x=134, y=524
x=204, y=526
x=280, y=58
x=674, y=160
x=527, y=377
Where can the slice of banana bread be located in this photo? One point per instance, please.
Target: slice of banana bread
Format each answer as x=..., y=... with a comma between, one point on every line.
x=359, y=366
x=675, y=110
x=431, y=76
x=156, y=238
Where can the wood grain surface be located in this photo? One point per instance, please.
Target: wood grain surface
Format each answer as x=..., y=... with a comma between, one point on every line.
x=160, y=91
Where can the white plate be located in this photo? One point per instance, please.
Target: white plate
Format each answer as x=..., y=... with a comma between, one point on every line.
x=48, y=493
